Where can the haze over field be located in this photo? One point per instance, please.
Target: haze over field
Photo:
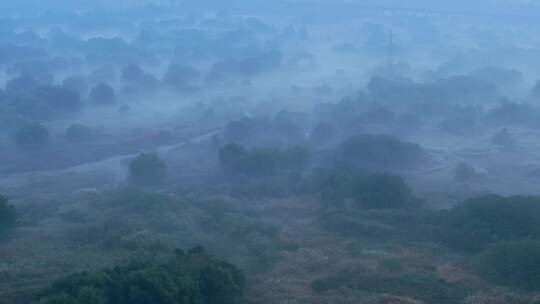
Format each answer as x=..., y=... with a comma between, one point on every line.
x=288, y=151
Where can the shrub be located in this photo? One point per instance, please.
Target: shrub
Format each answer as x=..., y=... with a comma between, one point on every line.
x=465, y=173
x=102, y=94
x=147, y=169
x=382, y=152
x=515, y=264
x=503, y=139
x=78, y=133
x=383, y=191
x=32, y=136
x=235, y=159
x=180, y=76
x=192, y=277
x=425, y=287
x=137, y=200
x=376, y=191
x=8, y=216
x=478, y=222
x=323, y=132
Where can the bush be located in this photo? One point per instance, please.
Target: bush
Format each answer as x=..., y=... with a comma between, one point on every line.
x=32, y=136
x=323, y=132
x=475, y=223
x=78, y=133
x=147, y=169
x=515, y=264
x=192, y=277
x=8, y=217
x=180, y=76
x=102, y=94
x=382, y=152
x=376, y=191
x=235, y=159
x=503, y=139
x=383, y=191
x=137, y=200
x=426, y=287
x=465, y=173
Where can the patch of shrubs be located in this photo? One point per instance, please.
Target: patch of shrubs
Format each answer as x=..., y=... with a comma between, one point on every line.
x=476, y=223
x=282, y=130
x=370, y=191
x=138, y=200
x=464, y=173
x=78, y=133
x=237, y=160
x=188, y=277
x=423, y=286
x=147, y=169
x=32, y=137
x=8, y=216
x=515, y=264
x=382, y=153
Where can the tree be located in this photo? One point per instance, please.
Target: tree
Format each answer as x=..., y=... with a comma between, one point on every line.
x=323, y=132
x=32, y=136
x=382, y=152
x=504, y=139
x=234, y=159
x=75, y=83
x=465, y=173
x=147, y=169
x=78, y=133
x=8, y=216
x=180, y=76
x=383, y=191
x=57, y=99
x=102, y=94
x=186, y=278
x=231, y=157
x=535, y=91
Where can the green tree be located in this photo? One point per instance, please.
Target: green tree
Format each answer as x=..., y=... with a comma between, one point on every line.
x=147, y=169
x=78, y=133
x=32, y=136
x=186, y=278
x=8, y=216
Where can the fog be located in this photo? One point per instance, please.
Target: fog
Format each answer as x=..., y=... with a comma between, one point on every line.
x=288, y=151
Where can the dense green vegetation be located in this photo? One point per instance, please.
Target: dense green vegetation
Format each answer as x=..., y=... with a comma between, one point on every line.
x=147, y=169
x=191, y=277
x=478, y=222
x=370, y=191
x=515, y=264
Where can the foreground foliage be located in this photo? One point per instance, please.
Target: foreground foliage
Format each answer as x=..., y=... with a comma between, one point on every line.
x=423, y=286
x=515, y=264
x=475, y=223
x=187, y=278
